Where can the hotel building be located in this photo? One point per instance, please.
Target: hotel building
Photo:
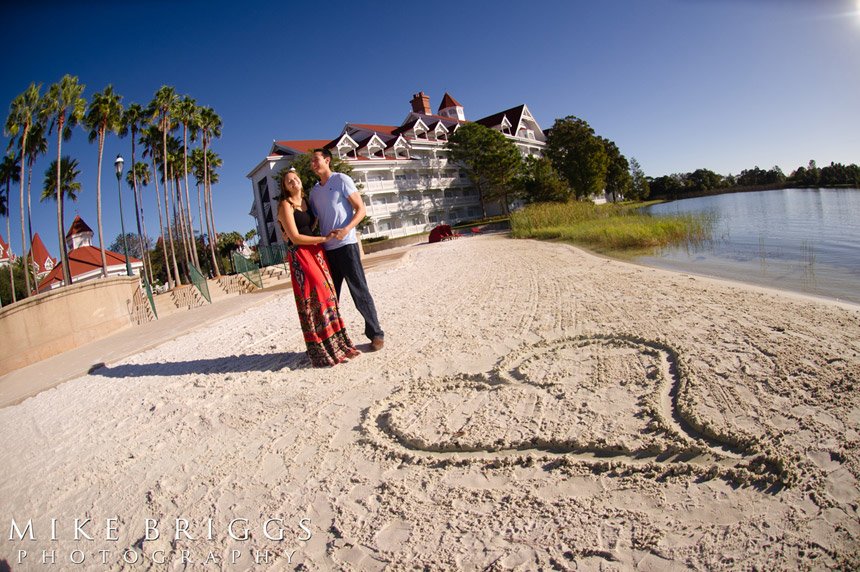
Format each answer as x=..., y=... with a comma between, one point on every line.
x=402, y=171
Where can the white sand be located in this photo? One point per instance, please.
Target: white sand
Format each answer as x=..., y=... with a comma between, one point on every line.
x=535, y=407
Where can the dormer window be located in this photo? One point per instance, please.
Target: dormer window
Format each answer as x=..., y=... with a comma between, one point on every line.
x=346, y=148
x=375, y=151
x=505, y=126
x=398, y=149
x=346, y=151
x=419, y=130
x=374, y=148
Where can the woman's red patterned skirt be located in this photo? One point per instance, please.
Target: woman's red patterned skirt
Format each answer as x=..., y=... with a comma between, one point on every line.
x=323, y=328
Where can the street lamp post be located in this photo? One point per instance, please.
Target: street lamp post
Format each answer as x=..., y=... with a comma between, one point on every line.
x=118, y=165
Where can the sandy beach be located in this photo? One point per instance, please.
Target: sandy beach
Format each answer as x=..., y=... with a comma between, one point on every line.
x=535, y=407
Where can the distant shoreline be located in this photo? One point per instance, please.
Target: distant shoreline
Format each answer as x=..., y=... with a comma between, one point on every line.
x=746, y=189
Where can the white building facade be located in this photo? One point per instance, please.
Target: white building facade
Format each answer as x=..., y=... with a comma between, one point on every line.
x=402, y=171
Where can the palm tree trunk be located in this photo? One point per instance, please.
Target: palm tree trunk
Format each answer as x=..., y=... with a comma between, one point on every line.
x=191, y=237
x=209, y=221
x=170, y=282
x=179, y=219
x=146, y=251
x=8, y=231
x=200, y=210
x=137, y=216
x=165, y=179
x=64, y=256
x=167, y=207
x=212, y=210
x=23, y=232
x=186, y=228
x=31, y=256
x=99, y=203
x=188, y=197
x=208, y=227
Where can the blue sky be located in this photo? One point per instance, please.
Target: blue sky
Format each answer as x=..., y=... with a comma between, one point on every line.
x=678, y=84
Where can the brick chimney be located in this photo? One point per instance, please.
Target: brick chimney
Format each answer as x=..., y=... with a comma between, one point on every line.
x=421, y=103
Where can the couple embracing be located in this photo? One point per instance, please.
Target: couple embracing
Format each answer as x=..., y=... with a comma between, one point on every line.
x=319, y=263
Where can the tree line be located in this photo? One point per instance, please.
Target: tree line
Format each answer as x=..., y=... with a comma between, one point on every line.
x=705, y=181
x=579, y=164
x=162, y=128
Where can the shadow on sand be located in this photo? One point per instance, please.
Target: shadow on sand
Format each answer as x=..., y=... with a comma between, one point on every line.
x=228, y=364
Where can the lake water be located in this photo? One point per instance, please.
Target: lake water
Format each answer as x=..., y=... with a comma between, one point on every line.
x=805, y=240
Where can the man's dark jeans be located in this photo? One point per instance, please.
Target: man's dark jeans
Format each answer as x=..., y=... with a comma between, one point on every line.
x=345, y=264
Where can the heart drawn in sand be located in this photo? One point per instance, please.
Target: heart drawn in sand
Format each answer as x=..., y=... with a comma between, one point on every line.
x=589, y=398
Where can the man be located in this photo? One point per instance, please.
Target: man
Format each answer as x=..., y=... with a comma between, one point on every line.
x=339, y=208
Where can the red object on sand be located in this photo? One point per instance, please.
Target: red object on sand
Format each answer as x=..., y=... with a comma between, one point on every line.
x=440, y=233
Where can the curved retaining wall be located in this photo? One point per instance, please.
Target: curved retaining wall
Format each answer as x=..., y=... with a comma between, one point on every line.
x=54, y=322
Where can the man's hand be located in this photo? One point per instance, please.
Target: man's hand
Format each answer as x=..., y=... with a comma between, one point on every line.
x=339, y=233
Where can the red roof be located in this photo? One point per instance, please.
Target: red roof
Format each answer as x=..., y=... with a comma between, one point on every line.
x=448, y=101
x=304, y=145
x=4, y=249
x=41, y=254
x=387, y=129
x=78, y=226
x=82, y=260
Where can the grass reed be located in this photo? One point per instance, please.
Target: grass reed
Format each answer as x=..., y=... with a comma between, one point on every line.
x=608, y=227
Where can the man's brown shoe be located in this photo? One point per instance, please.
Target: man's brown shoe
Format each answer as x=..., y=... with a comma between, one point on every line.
x=377, y=344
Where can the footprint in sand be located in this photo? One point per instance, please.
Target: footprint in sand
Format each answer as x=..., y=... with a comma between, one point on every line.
x=611, y=401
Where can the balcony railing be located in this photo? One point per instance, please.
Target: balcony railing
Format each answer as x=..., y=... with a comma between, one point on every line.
x=420, y=184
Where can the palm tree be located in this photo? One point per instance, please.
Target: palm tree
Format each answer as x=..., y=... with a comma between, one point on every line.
x=186, y=113
x=198, y=164
x=210, y=126
x=22, y=114
x=8, y=172
x=105, y=114
x=65, y=107
x=174, y=164
x=149, y=138
x=140, y=174
x=37, y=144
x=160, y=108
x=63, y=176
x=131, y=122
x=204, y=171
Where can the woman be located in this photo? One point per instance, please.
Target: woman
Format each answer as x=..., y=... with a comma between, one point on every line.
x=325, y=334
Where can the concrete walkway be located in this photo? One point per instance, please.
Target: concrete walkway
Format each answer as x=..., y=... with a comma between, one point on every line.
x=18, y=385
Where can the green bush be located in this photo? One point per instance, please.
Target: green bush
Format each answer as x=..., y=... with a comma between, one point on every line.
x=374, y=239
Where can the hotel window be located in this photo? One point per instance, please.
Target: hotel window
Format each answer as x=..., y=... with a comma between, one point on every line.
x=263, y=188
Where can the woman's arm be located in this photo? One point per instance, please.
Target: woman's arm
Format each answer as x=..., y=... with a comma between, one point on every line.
x=291, y=232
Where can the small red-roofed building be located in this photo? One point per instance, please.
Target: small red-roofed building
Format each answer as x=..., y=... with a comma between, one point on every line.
x=85, y=260
x=6, y=255
x=402, y=171
x=41, y=259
